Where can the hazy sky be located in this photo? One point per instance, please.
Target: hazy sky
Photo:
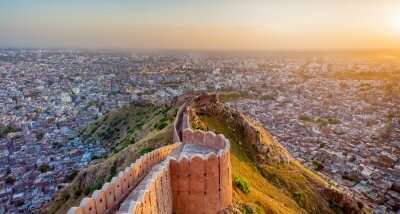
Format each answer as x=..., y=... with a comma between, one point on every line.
x=201, y=24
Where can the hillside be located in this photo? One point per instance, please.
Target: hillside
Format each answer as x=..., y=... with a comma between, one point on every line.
x=124, y=126
x=266, y=178
x=127, y=133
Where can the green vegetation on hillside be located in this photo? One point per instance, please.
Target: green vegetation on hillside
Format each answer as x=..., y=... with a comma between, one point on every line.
x=145, y=150
x=128, y=132
x=281, y=187
x=125, y=126
x=264, y=195
x=44, y=168
x=242, y=184
x=274, y=188
x=10, y=180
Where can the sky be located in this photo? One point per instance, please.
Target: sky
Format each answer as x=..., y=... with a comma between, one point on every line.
x=196, y=24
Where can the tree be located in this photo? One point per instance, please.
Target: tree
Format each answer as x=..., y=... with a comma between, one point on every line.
x=44, y=168
x=10, y=180
x=39, y=136
x=4, y=130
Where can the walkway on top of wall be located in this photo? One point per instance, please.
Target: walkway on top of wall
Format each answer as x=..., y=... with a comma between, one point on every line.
x=194, y=171
x=195, y=149
x=186, y=150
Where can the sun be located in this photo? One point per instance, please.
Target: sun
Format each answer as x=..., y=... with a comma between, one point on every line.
x=396, y=23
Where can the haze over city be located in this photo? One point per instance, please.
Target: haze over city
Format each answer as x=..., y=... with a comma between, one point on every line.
x=220, y=24
x=200, y=107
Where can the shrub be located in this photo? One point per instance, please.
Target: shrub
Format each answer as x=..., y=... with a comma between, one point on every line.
x=19, y=203
x=39, y=136
x=94, y=186
x=10, y=180
x=77, y=193
x=145, y=150
x=242, y=184
x=65, y=196
x=44, y=168
x=297, y=196
x=162, y=123
x=248, y=209
x=113, y=171
x=4, y=130
x=300, y=198
x=71, y=176
x=305, y=118
x=318, y=165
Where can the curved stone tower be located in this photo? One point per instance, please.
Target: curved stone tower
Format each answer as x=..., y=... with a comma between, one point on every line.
x=201, y=176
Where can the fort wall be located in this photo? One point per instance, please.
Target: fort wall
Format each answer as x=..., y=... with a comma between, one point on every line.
x=201, y=183
x=189, y=177
x=181, y=122
x=153, y=194
x=188, y=183
x=109, y=197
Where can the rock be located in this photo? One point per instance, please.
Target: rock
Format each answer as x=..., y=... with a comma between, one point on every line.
x=254, y=133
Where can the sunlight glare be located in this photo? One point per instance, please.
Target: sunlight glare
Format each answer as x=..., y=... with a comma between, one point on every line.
x=396, y=23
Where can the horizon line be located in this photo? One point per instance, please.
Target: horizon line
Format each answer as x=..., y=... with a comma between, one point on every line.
x=205, y=49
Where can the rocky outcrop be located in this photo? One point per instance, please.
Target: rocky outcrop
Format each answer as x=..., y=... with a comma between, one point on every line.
x=267, y=149
x=346, y=202
x=263, y=147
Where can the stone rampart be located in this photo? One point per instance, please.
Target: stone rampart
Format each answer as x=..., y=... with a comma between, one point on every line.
x=194, y=178
x=198, y=180
x=110, y=196
x=153, y=194
x=206, y=139
x=181, y=122
x=201, y=182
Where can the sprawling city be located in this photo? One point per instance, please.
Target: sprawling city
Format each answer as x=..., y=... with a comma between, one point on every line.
x=170, y=107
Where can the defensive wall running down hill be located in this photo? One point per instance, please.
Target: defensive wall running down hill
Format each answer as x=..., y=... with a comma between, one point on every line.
x=193, y=175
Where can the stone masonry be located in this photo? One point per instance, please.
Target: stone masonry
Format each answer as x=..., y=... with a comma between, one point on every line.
x=193, y=175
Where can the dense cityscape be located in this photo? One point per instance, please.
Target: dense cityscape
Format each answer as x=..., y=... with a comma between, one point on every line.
x=338, y=114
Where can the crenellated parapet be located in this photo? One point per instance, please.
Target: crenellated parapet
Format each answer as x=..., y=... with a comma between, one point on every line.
x=193, y=175
x=110, y=196
x=181, y=122
x=198, y=180
x=207, y=139
x=201, y=176
x=153, y=194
